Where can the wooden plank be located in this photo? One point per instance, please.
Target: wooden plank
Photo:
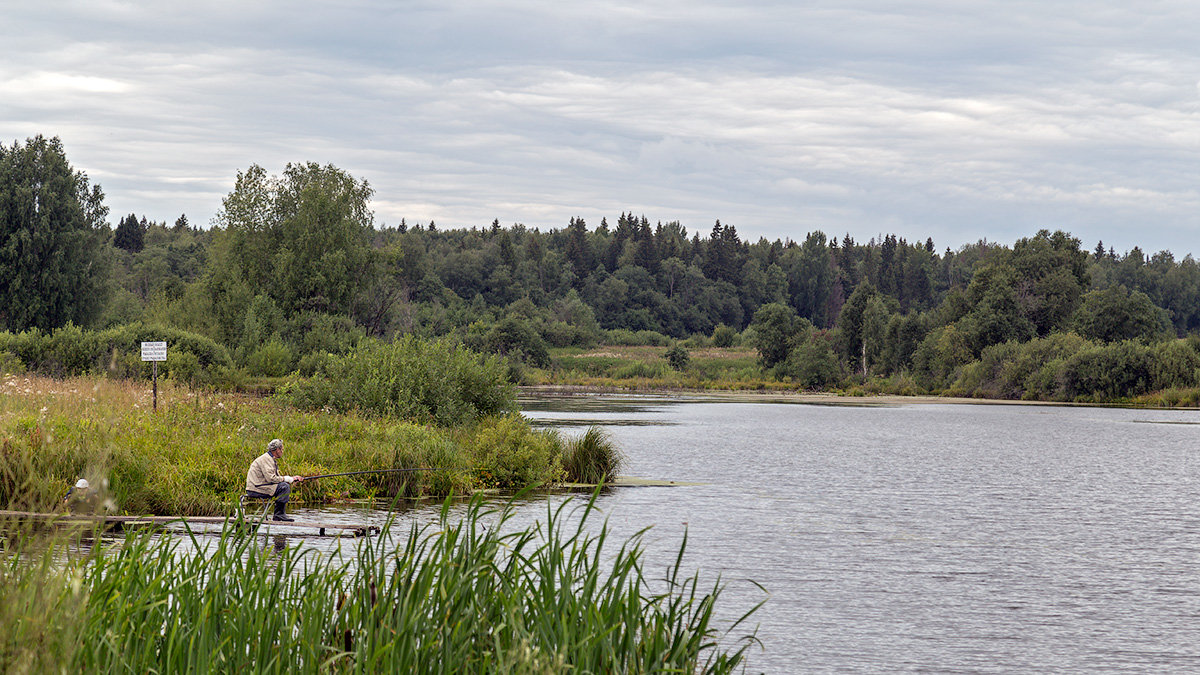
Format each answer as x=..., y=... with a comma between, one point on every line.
x=134, y=521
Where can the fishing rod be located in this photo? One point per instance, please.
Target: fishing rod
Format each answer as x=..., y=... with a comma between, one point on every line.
x=356, y=473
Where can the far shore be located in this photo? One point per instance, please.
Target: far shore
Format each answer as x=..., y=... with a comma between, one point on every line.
x=816, y=398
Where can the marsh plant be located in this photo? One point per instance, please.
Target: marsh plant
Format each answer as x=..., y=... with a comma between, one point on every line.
x=471, y=594
x=592, y=458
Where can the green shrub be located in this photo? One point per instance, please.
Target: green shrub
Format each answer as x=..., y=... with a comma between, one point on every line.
x=10, y=364
x=724, y=336
x=678, y=357
x=811, y=364
x=1109, y=372
x=510, y=455
x=273, y=359
x=436, y=382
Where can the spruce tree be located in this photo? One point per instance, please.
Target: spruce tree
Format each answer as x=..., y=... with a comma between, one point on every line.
x=130, y=234
x=51, y=238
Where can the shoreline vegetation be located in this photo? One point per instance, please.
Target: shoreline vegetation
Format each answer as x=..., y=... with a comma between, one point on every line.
x=468, y=594
x=735, y=371
x=190, y=457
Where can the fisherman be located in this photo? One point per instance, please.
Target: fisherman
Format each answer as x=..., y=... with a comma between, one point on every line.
x=264, y=482
x=79, y=498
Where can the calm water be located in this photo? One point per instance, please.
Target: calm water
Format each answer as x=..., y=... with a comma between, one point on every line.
x=923, y=537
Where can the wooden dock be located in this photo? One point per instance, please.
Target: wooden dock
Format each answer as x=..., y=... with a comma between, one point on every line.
x=120, y=523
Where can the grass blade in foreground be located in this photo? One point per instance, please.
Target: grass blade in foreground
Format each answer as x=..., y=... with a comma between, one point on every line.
x=470, y=595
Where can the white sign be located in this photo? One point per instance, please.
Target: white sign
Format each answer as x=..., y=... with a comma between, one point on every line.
x=154, y=351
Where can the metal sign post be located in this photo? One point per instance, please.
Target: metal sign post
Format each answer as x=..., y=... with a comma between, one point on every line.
x=155, y=352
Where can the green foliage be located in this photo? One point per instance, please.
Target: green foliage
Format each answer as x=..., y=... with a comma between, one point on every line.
x=70, y=350
x=636, y=338
x=515, y=338
x=862, y=327
x=1116, y=314
x=300, y=238
x=777, y=329
x=52, y=265
x=592, y=458
x=1108, y=372
x=510, y=455
x=437, y=382
x=470, y=593
x=678, y=357
x=10, y=364
x=724, y=336
x=1021, y=370
x=130, y=234
x=811, y=364
x=640, y=369
x=940, y=356
x=273, y=359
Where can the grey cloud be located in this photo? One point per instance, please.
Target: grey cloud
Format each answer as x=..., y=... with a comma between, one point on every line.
x=939, y=119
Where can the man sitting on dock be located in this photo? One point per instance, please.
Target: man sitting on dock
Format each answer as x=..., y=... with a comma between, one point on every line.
x=264, y=482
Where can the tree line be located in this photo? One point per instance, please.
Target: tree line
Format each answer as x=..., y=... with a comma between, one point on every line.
x=295, y=268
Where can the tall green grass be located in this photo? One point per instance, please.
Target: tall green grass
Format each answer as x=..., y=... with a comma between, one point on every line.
x=592, y=458
x=191, y=456
x=472, y=594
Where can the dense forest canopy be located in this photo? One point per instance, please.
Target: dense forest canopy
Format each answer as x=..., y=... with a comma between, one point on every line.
x=295, y=268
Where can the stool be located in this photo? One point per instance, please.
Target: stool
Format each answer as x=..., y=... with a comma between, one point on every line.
x=245, y=497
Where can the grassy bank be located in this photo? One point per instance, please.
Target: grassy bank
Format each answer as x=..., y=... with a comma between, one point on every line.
x=190, y=457
x=467, y=596
x=646, y=368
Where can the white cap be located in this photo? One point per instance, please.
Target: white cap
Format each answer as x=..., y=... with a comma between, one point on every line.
x=82, y=484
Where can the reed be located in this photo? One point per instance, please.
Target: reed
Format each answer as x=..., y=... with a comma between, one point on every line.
x=592, y=458
x=472, y=594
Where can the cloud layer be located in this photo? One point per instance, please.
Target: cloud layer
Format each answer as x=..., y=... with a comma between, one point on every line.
x=928, y=119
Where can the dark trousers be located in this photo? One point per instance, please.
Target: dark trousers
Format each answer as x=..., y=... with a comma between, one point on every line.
x=283, y=492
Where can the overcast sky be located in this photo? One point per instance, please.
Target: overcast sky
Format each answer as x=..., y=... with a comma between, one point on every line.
x=925, y=118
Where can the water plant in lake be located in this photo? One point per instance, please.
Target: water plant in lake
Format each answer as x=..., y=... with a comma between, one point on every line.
x=592, y=458
x=472, y=594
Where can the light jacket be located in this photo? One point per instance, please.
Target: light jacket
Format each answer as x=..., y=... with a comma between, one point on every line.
x=263, y=475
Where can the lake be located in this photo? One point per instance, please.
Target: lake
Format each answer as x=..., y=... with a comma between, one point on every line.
x=919, y=537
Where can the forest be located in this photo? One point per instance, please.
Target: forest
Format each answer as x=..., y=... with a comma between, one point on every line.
x=295, y=272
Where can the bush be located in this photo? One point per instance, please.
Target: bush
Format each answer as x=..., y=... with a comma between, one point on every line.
x=515, y=339
x=510, y=455
x=563, y=334
x=436, y=382
x=10, y=364
x=1109, y=372
x=678, y=357
x=70, y=351
x=724, y=336
x=273, y=359
x=811, y=364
